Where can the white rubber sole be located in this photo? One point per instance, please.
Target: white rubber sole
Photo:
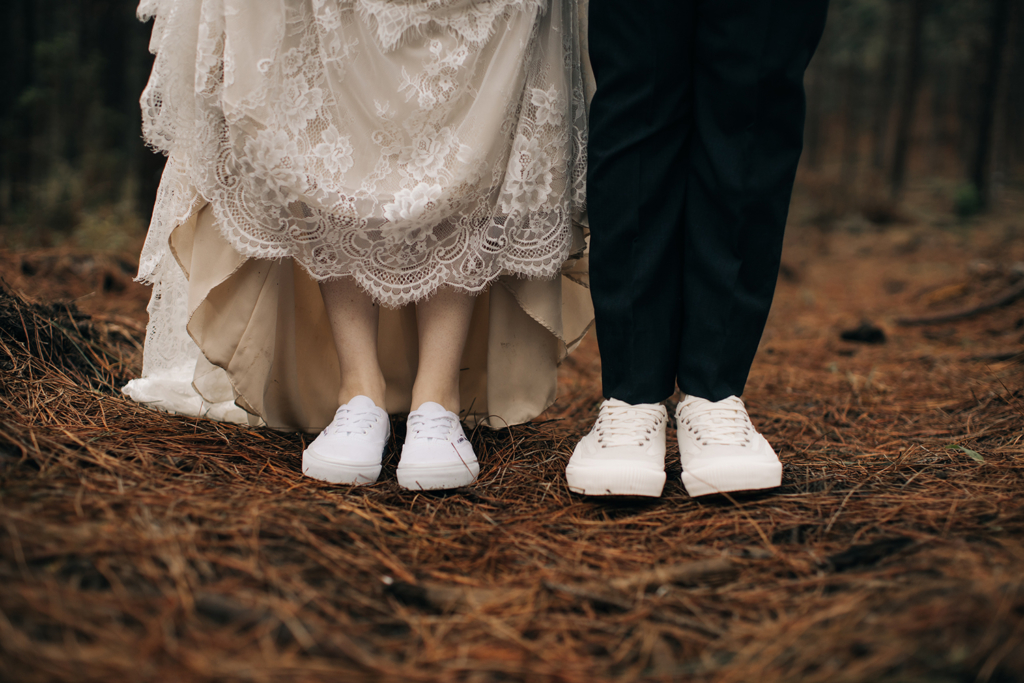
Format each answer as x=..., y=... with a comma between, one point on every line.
x=316, y=466
x=726, y=476
x=614, y=479
x=437, y=477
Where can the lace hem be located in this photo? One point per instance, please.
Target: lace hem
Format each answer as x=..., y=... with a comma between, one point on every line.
x=436, y=175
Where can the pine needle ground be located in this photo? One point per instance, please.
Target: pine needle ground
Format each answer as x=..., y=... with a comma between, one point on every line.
x=141, y=546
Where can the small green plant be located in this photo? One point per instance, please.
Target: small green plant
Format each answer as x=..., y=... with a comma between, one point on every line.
x=973, y=455
x=966, y=201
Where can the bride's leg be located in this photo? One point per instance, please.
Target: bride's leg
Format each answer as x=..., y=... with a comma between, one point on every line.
x=353, y=316
x=436, y=453
x=443, y=324
x=350, y=449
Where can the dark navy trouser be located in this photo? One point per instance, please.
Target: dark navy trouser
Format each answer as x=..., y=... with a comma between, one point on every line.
x=695, y=133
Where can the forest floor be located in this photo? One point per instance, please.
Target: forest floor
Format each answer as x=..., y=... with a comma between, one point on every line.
x=138, y=546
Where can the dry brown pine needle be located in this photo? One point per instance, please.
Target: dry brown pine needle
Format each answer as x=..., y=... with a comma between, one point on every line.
x=141, y=546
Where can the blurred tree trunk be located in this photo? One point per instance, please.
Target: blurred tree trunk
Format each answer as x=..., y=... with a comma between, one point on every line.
x=980, y=171
x=966, y=113
x=851, y=134
x=1015, y=92
x=1002, y=135
x=148, y=165
x=915, y=29
x=815, y=107
x=886, y=86
x=939, y=95
x=16, y=165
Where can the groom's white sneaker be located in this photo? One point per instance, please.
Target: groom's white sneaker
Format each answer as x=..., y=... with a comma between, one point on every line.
x=720, y=450
x=624, y=454
x=349, y=450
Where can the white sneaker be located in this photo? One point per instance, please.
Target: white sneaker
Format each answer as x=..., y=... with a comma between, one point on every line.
x=624, y=454
x=436, y=453
x=720, y=449
x=349, y=450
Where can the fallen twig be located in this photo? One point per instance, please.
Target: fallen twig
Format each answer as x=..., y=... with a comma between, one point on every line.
x=1004, y=298
x=708, y=572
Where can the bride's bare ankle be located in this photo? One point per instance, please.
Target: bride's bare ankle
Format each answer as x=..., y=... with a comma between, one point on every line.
x=447, y=397
x=374, y=389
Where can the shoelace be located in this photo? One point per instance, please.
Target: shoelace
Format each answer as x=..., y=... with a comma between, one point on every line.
x=621, y=424
x=433, y=426
x=352, y=421
x=722, y=423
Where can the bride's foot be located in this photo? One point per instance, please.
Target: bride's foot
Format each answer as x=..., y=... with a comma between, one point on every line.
x=436, y=453
x=349, y=450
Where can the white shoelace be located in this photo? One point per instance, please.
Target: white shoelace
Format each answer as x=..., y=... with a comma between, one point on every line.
x=622, y=424
x=432, y=426
x=720, y=423
x=352, y=421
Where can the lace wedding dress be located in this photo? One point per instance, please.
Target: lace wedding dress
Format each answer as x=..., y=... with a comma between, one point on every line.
x=408, y=144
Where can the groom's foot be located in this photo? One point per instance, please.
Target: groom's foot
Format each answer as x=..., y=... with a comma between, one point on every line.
x=720, y=450
x=624, y=454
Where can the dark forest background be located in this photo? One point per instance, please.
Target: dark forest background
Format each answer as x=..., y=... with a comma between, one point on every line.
x=902, y=94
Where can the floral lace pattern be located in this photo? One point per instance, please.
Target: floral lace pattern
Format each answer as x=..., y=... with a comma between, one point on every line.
x=406, y=143
x=472, y=20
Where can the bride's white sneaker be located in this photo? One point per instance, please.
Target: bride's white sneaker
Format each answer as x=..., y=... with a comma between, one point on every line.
x=349, y=450
x=436, y=453
x=624, y=454
x=720, y=450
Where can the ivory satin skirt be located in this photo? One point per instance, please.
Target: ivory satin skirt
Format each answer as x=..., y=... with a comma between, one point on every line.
x=266, y=347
